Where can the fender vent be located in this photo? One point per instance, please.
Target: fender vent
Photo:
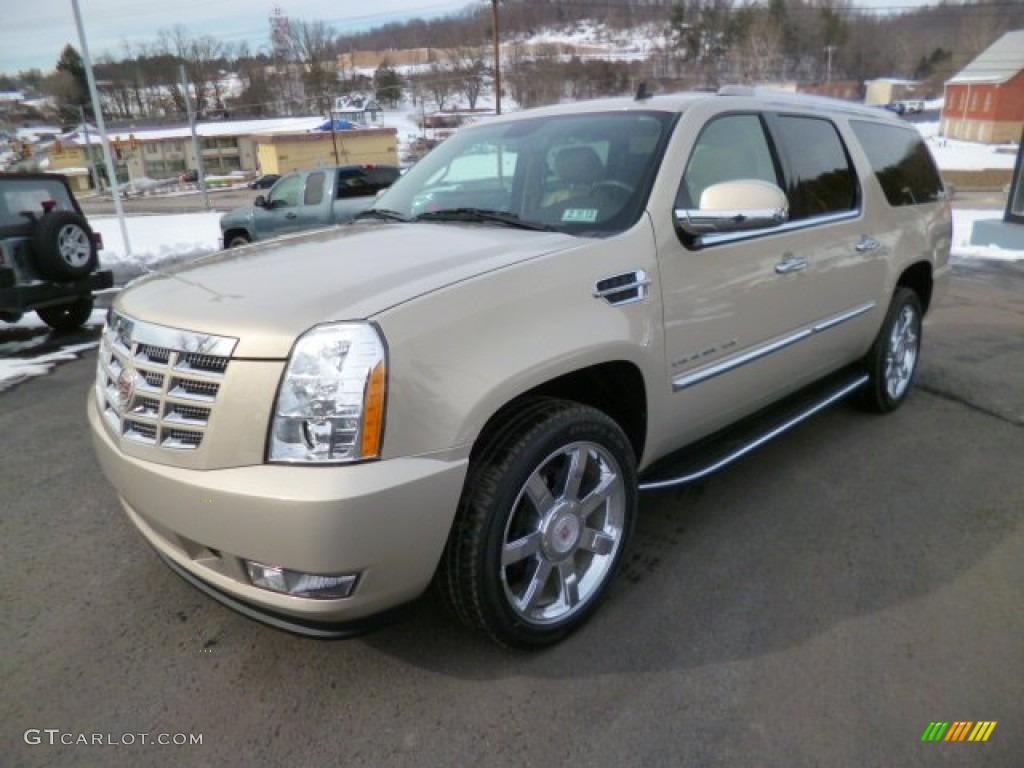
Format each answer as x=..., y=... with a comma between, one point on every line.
x=623, y=289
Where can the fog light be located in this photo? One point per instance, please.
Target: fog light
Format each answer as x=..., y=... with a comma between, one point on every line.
x=299, y=584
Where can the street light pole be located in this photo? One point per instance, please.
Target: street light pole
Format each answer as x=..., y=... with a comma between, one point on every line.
x=497, y=58
x=102, y=126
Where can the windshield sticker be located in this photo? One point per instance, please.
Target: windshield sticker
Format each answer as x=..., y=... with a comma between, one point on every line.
x=587, y=215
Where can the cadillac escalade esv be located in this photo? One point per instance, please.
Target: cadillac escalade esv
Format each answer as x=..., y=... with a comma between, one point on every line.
x=470, y=385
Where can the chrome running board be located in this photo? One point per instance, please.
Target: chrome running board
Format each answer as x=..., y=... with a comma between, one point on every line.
x=753, y=440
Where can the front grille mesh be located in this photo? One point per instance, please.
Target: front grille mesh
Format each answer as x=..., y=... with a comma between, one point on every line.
x=161, y=394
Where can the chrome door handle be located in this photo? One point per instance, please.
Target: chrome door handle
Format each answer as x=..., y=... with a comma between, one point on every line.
x=866, y=244
x=791, y=264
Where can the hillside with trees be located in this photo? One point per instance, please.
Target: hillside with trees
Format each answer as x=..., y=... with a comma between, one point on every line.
x=552, y=50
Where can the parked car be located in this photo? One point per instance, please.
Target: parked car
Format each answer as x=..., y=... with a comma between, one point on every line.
x=264, y=182
x=307, y=200
x=470, y=386
x=49, y=259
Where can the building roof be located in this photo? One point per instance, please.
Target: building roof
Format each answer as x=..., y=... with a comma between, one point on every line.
x=998, y=63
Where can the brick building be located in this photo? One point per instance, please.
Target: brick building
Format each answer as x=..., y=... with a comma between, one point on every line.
x=985, y=100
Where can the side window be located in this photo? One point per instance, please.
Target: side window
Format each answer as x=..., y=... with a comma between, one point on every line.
x=314, y=188
x=729, y=148
x=286, y=193
x=381, y=178
x=901, y=162
x=821, y=180
x=353, y=184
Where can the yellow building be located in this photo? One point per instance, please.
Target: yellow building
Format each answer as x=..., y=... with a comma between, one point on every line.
x=70, y=159
x=291, y=151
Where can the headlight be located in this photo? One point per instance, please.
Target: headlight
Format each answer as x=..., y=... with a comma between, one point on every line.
x=330, y=406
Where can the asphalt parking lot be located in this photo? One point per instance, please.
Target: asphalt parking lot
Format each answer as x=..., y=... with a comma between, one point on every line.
x=817, y=604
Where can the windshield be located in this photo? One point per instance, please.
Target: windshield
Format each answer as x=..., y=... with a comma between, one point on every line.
x=577, y=173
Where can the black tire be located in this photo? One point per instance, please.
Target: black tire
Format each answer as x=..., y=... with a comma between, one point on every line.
x=892, y=361
x=63, y=246
x=67, y=317
x=535, y=546
x=236, y=240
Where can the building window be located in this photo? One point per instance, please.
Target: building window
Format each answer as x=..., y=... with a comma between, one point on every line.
x=152, y=148
x=974, y=101
x=988, y=102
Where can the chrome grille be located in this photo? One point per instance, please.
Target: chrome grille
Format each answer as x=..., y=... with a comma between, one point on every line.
x=158, y=385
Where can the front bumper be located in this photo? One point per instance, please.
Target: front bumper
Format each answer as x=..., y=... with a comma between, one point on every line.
x=388, y=521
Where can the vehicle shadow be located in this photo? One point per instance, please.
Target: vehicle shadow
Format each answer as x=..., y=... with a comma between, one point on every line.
x=827, y=525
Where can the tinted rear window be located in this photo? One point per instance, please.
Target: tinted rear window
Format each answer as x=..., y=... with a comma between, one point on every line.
x=820, y=178
x=901, y=162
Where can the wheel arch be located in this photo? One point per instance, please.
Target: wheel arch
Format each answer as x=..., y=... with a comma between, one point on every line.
x=616, y=388
x=918, y=278
x=234, y=232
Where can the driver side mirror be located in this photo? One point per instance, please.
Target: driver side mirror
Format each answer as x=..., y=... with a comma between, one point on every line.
x=735, y=206
x=260, y=201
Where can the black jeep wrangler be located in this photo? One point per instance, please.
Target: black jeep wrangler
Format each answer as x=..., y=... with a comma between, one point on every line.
x=48, y=252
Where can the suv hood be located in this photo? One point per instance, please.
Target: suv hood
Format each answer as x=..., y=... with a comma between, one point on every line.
x=268, y=294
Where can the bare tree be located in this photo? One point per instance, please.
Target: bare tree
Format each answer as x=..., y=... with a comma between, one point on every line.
x=312, y=47
x=468, y=65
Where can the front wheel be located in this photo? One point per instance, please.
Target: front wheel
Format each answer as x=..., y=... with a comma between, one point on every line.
x=67, y=317
x=546, y=513
x=892, y=361
x=237, y=240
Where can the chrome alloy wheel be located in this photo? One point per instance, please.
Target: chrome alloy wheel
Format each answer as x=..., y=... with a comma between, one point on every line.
x=566, y=527
x=74, y=245
x=901, y=354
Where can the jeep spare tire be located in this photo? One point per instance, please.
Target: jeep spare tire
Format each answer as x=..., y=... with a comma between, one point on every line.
x=63, y=246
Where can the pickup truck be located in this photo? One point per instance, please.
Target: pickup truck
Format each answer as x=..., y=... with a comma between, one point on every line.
x=309, y=199
x=552, y=312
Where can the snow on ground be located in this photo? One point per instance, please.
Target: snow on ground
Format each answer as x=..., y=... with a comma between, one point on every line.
x=14, y=370
x=955, y=155
x=155, y=240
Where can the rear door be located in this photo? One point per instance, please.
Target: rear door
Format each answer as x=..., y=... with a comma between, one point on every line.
x=829, y=229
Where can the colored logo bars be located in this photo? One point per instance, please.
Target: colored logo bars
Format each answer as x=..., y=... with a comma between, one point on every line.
x=959, y=730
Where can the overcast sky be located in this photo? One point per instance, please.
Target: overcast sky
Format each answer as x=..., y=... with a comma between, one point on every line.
x=33, y=32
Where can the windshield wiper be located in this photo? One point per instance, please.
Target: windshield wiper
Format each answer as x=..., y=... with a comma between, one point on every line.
x=382, y=213
x=483, y=214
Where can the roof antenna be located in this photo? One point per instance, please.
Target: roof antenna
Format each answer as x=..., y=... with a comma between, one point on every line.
x=641, y=92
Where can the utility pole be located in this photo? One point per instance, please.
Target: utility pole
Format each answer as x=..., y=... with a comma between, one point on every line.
x=828, y=67
x=102, y=126
x=497, y=58
x=200, y=170
x=88, y=151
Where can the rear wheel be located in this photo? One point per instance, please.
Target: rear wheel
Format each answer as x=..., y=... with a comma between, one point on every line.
x=544, y=518
x=892, y=361
x=67, y=317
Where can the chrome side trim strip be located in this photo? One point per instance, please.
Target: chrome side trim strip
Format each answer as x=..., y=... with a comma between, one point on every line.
x=831, y=322
x=718, y=238
x=770, y=435
x=690, y=379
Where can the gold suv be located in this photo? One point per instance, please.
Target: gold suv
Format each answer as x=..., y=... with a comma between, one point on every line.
x=470, y=385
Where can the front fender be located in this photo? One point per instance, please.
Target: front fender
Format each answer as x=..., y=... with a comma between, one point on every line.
x=459, y=354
